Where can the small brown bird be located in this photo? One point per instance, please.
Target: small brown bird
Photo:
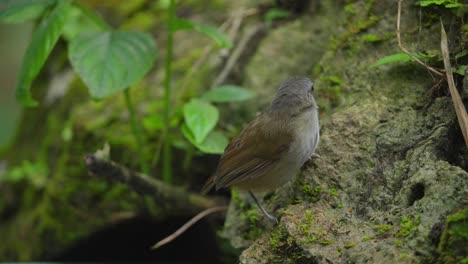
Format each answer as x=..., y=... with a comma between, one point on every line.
x=272, y=148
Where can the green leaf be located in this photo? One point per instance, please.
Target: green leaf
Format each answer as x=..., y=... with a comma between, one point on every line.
x=79, y=22
x=461, y=70
x=445, y=3
x=212, y=32
x=42, y=43
x=200, y=117
x=19, y=11
x=399, y=57
x=371, y=38
x=228, y=93
x=275, y=13
x=153, y=123
x=214, y=143
x=461, y=54
x=110, y=61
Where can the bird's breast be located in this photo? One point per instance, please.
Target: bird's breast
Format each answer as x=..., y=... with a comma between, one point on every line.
x=306, y=135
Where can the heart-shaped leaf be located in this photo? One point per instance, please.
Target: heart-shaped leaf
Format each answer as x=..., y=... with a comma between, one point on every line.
x=42, y=43
x=111, y=61
x=78, y=22
x=214, y=143
x=200, y=117
x=19, y=11
x=212, y=32
x=228, y=93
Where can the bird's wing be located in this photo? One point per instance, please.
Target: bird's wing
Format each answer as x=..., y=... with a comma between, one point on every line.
x=253, y=153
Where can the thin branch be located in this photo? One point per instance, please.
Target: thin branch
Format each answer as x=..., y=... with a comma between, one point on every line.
x=187, y=225
x=405, y=50
x=178, y=199
x=236, y=54
x=457, y=101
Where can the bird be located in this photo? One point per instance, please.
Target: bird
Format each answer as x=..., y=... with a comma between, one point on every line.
x=271, y=149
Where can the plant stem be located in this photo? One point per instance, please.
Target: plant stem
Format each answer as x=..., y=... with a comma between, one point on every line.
x=167, y=171
x=136, y=132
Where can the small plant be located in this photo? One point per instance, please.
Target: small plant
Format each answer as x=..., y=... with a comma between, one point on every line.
x=444, y=3
x=110, y=61
x=382, y=229
x=408, y=226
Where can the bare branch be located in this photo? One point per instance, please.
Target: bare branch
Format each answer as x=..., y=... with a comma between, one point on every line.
x=187, y=225
x=177, y=198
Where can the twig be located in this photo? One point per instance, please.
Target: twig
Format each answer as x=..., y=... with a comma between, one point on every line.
x=457, y=101
x=236, y=54
x=405, y=50
x=187, y=225
x=179, y=199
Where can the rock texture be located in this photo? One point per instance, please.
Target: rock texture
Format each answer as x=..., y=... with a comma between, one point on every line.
x=392, y=165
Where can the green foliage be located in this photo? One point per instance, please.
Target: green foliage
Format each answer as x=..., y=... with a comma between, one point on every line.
x=34, y=172
x=214, y=143
x=42, y=43
x=408, y=225
x=228, y=93
x=394, y=58
x=201, y=117
x=452, y=246
x=461, y=70
x=313, y=194
x=400, y=57
x=333, y=192
x=371, y=38
x=275, y=13
x=20, y=11
x=444, y=3
x=285, y=247
x=212, y=32
x=111, y=61
x=381, y=229
x=79, y=21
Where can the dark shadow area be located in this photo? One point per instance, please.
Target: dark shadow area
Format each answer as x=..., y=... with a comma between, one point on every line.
x=417, y=193
x=130, y=241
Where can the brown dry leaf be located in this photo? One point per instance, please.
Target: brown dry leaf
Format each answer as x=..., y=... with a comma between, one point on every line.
x=457, y=101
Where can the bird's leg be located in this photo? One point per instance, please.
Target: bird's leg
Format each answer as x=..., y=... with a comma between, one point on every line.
x=269, y=216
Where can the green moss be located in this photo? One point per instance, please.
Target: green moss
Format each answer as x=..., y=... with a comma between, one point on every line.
x=333, y=192
x=307, y=223
x=250, y=215
x=381, y=229
x=285, y=248
x=454, y=240
x=408, y=225
x=326, y=242
x=350, y=245
x=312, y=194
x=313, y=233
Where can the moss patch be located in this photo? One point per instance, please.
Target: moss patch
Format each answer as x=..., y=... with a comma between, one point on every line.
x=453, y=245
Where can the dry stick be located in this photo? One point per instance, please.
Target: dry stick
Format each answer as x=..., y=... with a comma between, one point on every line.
x=236, y=54
x=457, y=101
x=405, y=50
x=187, y=225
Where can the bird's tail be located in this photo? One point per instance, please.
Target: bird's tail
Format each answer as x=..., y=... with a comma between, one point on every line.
x=209, y=184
